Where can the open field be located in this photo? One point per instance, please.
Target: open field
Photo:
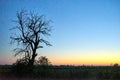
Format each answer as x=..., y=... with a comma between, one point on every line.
x=9, y=72
x=48, y=79
x=18, y=78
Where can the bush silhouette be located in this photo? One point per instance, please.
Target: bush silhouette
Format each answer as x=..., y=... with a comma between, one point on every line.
x=20, y=68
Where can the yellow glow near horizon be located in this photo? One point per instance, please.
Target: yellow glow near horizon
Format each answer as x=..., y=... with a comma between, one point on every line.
x=88, y=59
x=93, y=58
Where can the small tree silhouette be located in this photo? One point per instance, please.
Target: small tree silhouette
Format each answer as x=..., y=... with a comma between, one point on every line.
x=31, y=30
x=43, y=61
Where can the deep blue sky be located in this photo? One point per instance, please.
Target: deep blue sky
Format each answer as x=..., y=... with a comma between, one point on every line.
x=84, y=31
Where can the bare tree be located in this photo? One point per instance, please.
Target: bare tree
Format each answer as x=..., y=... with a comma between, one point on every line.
x=31, y=28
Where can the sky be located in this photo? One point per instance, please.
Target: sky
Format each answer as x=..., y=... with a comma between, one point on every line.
x=84, y=31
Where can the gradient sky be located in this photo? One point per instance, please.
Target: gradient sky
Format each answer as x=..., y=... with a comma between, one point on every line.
x=84, y=31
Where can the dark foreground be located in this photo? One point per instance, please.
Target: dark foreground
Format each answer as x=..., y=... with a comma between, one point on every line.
x=16, y=78
x=8, y=72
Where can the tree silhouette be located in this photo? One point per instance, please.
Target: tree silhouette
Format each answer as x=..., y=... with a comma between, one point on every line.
x=31, y=29
x=44, y=61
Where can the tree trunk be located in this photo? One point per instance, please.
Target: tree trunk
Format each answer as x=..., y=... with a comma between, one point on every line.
x=32, y=60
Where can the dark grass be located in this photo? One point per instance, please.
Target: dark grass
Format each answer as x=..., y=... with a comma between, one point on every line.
x=10, y=72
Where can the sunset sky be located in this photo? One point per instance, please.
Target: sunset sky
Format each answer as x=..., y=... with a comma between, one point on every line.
x=84, y=31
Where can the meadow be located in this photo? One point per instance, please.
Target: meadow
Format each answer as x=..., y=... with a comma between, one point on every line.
x=63, y=72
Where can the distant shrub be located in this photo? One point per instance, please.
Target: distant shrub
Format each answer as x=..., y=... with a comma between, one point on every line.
x=115, y=71
x=43, y=61
x=115, y=65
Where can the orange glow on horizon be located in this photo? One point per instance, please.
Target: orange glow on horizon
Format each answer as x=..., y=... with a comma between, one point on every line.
x=77, y=59
x=87, y=62
x=90, y=59
x=7, y=60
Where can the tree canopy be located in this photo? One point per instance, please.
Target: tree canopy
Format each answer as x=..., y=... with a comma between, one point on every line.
x=31, y=29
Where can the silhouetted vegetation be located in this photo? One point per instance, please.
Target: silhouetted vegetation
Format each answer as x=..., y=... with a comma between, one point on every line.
x=31, y=29
x=21, y=67
x=43, y=60
x=66, y=72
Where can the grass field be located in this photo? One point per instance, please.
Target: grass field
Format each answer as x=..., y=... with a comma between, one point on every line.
x=18, y=78
x=8, y=72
